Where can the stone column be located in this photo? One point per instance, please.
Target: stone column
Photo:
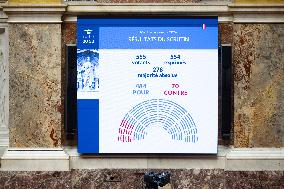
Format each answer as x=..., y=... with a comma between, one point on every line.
x=35, y=105
x=4, y=82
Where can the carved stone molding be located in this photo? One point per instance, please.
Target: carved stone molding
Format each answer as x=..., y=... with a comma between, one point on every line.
x=34, y=13
x=251, y=13
x=238, y=13
x=37, y=159
x=4, y=86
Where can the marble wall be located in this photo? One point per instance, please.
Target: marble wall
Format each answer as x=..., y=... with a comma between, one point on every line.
x=133, y=179
x=37, y=91
x=258, y=85
x=35, y=85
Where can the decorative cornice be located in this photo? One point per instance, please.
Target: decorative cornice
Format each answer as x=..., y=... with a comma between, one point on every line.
x=260, y=13
x=149, y=8
x=34, y=13
x=260, y=8
x=238, y=13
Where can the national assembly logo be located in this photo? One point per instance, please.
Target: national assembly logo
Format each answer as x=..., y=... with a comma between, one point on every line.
x=88, y=37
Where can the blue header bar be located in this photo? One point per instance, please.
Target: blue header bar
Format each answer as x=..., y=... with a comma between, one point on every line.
x=158, y=38
x=199, y=33
x=213, y=22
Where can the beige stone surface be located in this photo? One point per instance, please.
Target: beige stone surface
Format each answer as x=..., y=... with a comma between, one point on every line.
x=35, y=85
x=258, y=85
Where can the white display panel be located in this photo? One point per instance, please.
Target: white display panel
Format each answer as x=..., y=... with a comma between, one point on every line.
x=121, y=90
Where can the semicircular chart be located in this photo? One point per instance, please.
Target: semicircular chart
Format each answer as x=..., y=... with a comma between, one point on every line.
x=172, y=117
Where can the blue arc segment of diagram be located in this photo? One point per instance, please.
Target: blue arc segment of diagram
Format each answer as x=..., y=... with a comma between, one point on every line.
x=172, y=117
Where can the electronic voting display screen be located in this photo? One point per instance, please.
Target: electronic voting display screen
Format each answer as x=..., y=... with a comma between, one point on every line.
x=147, y=85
